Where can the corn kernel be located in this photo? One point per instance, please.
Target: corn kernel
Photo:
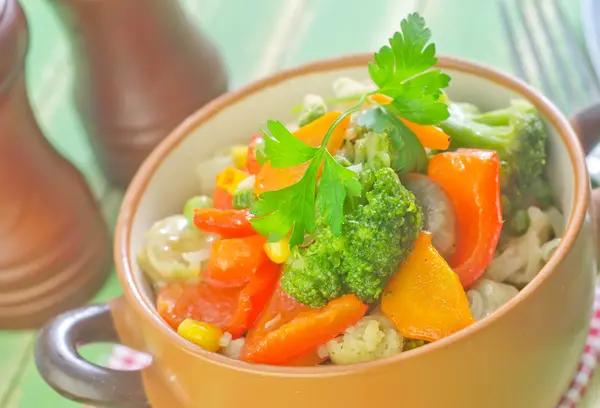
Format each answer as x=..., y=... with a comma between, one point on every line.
x=279, y=251
x=239, y=153
x=203, y=334
x=229, y=179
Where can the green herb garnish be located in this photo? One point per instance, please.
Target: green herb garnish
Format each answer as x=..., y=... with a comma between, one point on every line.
x=403, y=71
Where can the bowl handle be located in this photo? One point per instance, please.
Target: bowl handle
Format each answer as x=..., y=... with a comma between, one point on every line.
x=70, y=375
x=587, y=126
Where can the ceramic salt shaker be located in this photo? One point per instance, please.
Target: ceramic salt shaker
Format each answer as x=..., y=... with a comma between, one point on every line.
x=54, y=244
x=141, y=68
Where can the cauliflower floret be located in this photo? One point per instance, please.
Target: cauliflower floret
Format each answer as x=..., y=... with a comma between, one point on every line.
x=486, y=296
x=371, y=338
x=521, y=258
x=233, y=348
x=313, y=108
x=345, y=87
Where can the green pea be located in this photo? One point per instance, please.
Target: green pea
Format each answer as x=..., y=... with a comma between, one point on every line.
x=520, y=222
x=200, y=201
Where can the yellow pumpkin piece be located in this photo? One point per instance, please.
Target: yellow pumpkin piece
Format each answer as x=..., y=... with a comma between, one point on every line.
x=271, y=179
x=425, y=299
x=430, y=137
x=239, y=153
x=229, y=179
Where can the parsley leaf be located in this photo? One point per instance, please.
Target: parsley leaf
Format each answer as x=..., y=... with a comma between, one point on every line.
x=405, y=71
x=407, y=152
x=408, y=55
x=402, y=70
x=337, y=182
x=283, y=149
x=291, y=208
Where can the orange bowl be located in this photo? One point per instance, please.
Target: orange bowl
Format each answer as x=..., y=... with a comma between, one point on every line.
x=521, y=356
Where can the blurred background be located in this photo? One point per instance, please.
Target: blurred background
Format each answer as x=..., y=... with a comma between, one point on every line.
x=543, y=41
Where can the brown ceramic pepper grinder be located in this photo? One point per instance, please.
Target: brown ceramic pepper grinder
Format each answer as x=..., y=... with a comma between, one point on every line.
x=141, y=69
x=54, y=245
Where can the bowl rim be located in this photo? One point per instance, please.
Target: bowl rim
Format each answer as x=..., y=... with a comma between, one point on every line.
x=134, y=292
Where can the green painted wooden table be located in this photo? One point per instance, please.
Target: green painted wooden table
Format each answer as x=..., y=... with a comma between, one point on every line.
x=278, y=34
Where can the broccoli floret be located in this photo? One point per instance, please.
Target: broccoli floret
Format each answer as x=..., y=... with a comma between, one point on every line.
x=373, y=148
x=518, y=135
x=343, y=161
x=243, y=198
x=410, y=344
x=347, y=151
x=312, y=109
x=311, y=275
x=377, y=235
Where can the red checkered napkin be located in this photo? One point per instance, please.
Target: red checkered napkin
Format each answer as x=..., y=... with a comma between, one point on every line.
x=588, y=361
x=124, y=358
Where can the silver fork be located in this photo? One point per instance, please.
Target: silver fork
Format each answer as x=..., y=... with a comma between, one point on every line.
x=549, y=55
x=545, y=52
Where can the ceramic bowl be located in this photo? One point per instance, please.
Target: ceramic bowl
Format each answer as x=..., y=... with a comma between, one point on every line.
x=522, y=356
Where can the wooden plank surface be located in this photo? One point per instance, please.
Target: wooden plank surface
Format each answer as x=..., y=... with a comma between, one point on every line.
x=256, y=39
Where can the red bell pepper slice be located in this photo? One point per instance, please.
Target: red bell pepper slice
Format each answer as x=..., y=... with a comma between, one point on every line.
x=233, y=262
x=286, y=332
x=252, y=164
x=228, y=223
x=234, y=310
x=471, y=178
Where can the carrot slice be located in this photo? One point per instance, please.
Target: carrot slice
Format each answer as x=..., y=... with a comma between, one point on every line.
x=288, y=336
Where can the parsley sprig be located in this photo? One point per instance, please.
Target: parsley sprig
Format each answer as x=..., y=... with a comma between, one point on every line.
x=293, y=208
x=402, y=70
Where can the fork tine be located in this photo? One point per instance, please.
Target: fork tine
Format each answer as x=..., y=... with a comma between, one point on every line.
x=510, y=33
x=544, y=77
x=547, y=40
x=582, y=62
